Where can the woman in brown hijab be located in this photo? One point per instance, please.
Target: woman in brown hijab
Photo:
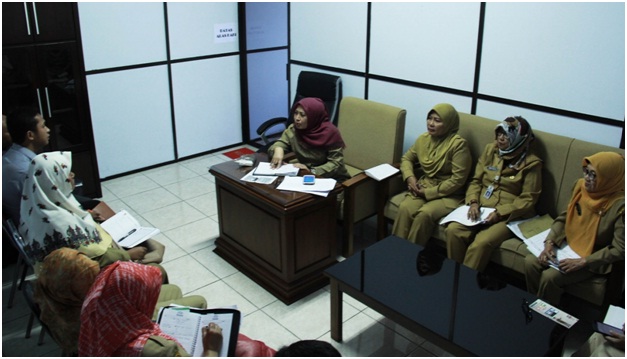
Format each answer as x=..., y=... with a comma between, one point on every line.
x=443, y=161
x=593, y=226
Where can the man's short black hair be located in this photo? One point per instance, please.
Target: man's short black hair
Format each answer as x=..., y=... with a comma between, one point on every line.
x=308, y=348
x=20, y=121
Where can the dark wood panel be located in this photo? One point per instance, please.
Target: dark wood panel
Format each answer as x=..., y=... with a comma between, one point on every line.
x=257, y=231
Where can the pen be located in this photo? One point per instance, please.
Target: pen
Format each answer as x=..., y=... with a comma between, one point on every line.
x=129, y=233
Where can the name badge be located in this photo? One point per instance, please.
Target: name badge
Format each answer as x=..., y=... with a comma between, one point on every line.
x=488, y=192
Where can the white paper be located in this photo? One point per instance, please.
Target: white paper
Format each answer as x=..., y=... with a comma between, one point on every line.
x=381, y=171
x=535, y=245
x=615, y=316
x=296, y=184
x=250, y=177
x=126, y=230
x=265, y=169
x=460, y=215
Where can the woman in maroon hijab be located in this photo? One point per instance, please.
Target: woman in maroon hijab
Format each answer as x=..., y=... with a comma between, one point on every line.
x=315, y=141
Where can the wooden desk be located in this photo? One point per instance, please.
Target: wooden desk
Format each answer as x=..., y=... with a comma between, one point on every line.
x=282, y=240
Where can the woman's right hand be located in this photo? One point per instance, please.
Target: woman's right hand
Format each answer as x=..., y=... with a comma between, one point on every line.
x=137, y=253
x=412, y=186
x=211, y=340
x=474, y=212
x=548, y=254
x=277, y=158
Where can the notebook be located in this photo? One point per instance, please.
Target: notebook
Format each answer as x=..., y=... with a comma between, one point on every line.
x=127, y=231
x=185, y=324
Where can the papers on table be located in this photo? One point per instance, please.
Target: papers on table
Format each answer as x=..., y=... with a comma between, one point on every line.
x=265, y=169
x=321, y=187
x=527, y=231
x=460, y=215
x=126, y=230
x=555, y=314
x=381, y=171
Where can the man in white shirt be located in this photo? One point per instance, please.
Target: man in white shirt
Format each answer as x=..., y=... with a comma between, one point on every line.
x=30, y=135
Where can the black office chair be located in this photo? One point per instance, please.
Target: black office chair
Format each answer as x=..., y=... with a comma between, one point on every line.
x=326, y=87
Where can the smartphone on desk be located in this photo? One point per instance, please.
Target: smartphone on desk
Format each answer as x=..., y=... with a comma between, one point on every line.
x=605, y=328
x=309, y=179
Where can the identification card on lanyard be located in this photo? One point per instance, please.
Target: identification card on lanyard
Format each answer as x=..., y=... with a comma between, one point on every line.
x=490, y=189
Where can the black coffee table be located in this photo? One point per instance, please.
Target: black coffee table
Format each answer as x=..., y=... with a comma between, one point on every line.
x=441, y=301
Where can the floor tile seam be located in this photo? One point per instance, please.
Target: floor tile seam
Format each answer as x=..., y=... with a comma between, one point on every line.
x=244, y=295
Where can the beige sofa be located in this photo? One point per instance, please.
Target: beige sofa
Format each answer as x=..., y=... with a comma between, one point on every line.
x=562, y=167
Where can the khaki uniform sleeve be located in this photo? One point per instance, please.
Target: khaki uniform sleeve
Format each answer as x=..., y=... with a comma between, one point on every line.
x=612, y=248
x=476, y=184
x=161, y=347
x=335, y=161
x=408, y=161
x=283, y=142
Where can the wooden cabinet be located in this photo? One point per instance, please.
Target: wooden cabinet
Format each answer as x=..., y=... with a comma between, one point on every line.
x=42, y=67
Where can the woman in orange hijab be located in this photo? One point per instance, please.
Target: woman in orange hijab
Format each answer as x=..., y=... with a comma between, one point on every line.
x=593, y=226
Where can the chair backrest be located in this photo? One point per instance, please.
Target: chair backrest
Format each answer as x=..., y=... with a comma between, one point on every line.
x=326, y=87
x=373, y=133
x=16, y=239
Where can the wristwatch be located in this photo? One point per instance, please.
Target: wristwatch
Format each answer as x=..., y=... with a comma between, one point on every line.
x=313, y=171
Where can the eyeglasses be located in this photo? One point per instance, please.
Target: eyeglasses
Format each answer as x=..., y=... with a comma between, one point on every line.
x=591, y=174
x=526, y=311
x=434, y=118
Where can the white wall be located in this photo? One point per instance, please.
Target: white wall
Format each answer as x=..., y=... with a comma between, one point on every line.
x=132, y=83
x=566, y=56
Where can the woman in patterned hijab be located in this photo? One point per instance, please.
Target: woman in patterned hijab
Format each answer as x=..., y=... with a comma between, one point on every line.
x=51, y=218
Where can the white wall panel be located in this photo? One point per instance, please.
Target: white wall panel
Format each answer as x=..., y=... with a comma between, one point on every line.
x=417, y=102
x=433, y=43
x=559, y=125
x=192, y=28
x=207, y=104
x=564, y=55
x=121, y=34
x=130, y=112
x=331, y=34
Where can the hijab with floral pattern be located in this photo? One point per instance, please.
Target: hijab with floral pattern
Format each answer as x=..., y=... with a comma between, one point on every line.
x=50, y=216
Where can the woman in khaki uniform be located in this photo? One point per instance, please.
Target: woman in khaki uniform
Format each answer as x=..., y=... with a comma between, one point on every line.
x=508, y=177
x=315, y=141
x=593, y=225
x=444, y=158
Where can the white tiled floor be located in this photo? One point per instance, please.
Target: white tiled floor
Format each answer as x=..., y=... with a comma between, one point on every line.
x=180, y=200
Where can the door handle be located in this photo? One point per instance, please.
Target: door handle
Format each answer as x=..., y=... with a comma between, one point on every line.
x=27, y=20
x=35, y=15
x=41, y=110
x=48, y=103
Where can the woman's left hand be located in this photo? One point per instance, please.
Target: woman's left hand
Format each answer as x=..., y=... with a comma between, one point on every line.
x=301, y=166
x=572, y=264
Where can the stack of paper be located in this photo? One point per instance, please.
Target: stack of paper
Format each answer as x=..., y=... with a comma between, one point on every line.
x=321, y=187
x=460, y=215
x=265, y=169
x=381, y=172
x=534, y=232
